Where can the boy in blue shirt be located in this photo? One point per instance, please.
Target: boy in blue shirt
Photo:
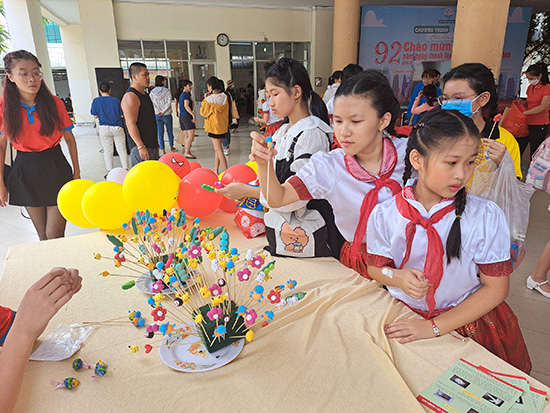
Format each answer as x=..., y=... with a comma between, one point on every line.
x=107, y=109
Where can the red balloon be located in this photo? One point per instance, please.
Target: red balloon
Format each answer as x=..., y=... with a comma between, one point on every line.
x=240, y=173
x=194, y=165
x=196, y=201
x=228, y=205
x=208, y=171
x=178, y=163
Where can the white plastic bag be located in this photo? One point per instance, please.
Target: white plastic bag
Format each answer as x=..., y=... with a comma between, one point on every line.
x=63, y=342
x=500, y=185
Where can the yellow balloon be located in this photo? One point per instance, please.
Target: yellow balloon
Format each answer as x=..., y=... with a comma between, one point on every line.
x=104, y=205
x=151, y=185
x=69, y=202
x=253, y=165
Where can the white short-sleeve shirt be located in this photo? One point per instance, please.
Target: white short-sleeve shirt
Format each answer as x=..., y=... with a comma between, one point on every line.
x=485, y=240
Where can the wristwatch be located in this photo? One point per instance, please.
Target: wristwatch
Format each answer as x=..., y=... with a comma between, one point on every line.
x=436, y=329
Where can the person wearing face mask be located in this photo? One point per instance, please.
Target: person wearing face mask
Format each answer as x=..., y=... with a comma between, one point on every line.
x=538, y=102
x=470, y=89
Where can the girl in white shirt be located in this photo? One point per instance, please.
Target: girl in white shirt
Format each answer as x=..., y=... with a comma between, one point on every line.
x=406, y=237
x=366, y=171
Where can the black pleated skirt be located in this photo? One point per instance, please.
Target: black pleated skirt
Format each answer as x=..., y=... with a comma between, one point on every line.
x=36, y=177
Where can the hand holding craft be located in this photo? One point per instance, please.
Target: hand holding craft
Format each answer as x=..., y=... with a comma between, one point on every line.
x=412, y=282
x=45, y=298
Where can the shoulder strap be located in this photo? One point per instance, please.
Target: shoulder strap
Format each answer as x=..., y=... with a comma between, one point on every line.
x=290, y=155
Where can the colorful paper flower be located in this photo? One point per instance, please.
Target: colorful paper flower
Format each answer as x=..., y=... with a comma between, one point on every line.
x=158, y=313
x=214, y=313
x=274, y=297
x=215, y=290
x=157, y=286
x=244, y=274
x=257, y=261
x=194, y=251
x=250, y=317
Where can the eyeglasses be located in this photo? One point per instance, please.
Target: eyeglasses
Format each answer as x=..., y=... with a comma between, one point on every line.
x=27, y=76
x=457, y=100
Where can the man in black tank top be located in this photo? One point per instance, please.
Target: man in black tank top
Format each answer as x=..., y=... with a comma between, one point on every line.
x=140, y=116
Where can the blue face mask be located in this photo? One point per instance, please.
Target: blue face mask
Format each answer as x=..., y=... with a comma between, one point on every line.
x=464, y=106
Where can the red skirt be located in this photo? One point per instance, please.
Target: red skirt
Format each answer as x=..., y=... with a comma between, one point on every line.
x=272, y=128
x=359, y=265
x=498, y=331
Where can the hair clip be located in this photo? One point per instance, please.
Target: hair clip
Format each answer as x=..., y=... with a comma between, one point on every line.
x=419, y=125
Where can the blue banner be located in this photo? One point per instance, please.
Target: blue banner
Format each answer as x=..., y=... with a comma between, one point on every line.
x=402, y=41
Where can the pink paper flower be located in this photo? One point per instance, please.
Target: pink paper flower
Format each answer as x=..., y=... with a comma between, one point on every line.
x=194, y=251
x=158, y=313
x=214, y=313
x=257, y=261
x=157, y=287
x=250, y=317
x=215, y=290
x=244, y=275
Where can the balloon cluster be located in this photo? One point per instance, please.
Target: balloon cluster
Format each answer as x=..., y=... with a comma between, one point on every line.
x=150, y=185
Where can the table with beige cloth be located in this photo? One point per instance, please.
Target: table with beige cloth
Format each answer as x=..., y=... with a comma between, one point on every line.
x=326, y=353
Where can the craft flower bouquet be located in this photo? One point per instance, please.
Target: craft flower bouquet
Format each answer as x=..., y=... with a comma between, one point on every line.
x=220, y=302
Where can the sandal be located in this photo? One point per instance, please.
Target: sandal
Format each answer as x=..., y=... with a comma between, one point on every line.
x=533, y=285
x=190, y=156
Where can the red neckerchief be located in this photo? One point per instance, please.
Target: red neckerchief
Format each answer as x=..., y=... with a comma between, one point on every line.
x=433, y=269
x=389, y=160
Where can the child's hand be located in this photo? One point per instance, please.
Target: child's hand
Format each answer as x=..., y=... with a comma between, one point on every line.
x=409, y=330
x=44, y=298
x=233, y=191
x=259, y=151
x=412, y=282
x=496, y=151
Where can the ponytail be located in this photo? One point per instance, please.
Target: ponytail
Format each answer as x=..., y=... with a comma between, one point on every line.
x=454, y=240
x=318, y=108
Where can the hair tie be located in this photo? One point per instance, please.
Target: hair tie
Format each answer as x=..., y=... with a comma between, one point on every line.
x=419, y=125
x=458, y=216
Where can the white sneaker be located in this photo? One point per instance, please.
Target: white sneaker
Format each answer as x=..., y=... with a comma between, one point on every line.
x=226, y=151
x=533, y=285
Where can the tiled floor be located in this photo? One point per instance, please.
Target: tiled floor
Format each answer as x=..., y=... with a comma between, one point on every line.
x=532, y=309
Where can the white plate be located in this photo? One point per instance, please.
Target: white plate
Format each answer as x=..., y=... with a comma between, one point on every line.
x=144, y=283
x=189, y=354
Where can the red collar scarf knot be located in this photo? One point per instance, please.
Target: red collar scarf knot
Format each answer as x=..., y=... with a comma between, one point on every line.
x=433, y=269
x=389, y=160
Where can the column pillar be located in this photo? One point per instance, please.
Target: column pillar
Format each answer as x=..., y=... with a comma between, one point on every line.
x=345, y=35
x=321, y=55
x=26, y=29
x=479, y=33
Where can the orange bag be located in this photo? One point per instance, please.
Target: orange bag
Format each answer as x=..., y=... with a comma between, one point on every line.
x=515, y=121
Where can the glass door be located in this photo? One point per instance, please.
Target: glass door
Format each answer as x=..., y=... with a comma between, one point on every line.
x=201, y=71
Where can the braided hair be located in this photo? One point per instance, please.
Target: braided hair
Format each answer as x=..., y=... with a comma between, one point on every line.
x=439, y=128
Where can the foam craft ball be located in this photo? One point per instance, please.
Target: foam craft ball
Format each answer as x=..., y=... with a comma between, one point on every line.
x=194, y=165
x=104, y=205
x=69, y=201
x=151, y=185
x=117, y=175
x=177, y=162
x=228, y=205
x=195, y=200
x=253, y=165
x=240, y=173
